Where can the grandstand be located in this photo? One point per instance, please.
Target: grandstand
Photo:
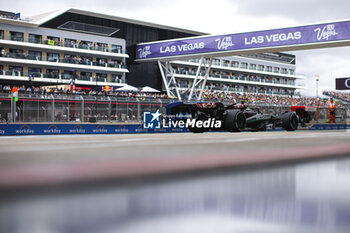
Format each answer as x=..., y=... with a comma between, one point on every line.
x=74, y=45
x=90, y=49
x=341, y=96
x=265, y=74
x=37, y=55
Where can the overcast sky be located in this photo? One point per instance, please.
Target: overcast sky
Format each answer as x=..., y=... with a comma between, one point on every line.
x=226, y=16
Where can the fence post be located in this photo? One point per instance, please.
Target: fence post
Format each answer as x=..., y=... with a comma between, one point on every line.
x=12, y=114
x=38, y=112
x=109, y=109
x=160, y=105
x=82, y=110
x=23, y=115
x=53, y=108
x=138, y=110
x=68, y=112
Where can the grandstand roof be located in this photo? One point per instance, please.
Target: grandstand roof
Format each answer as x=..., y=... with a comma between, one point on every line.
x=41, y=19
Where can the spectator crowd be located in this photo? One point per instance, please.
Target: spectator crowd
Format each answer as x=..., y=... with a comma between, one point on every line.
x=260, y=99
x=44, y=91
x=208, y=95
x=338, y=95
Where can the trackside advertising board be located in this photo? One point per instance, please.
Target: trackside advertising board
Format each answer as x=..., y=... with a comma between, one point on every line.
x=59, y=129
x=313, y=36
x=342, y=83
x=56, y=129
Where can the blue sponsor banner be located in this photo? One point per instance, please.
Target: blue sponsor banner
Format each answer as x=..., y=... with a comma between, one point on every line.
x=302, y=35
x=329, y=127
x=54, y=129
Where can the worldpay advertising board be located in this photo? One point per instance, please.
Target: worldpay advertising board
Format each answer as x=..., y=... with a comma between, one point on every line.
x=342, y=83
x=293, y=38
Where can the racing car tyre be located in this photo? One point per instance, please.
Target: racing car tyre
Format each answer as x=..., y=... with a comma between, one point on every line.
x=290, y=121
x=234, y=120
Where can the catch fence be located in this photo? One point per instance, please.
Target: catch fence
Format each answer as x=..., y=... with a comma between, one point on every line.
x=39, y=108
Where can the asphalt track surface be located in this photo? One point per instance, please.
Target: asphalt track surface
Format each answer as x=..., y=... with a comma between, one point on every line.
x=155, y=183
x=47, y=160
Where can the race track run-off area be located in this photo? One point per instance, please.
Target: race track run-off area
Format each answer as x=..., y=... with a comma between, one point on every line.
x=43, y=160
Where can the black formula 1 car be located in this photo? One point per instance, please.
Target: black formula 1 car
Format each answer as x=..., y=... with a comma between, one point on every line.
x=232, y=118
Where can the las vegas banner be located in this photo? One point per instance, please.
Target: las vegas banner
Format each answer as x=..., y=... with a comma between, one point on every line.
x=328, y=34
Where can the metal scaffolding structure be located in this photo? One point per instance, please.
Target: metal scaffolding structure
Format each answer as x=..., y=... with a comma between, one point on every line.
x=199, y=79
x=169, y=80
x=171, y=85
